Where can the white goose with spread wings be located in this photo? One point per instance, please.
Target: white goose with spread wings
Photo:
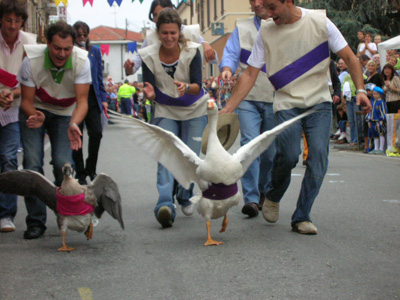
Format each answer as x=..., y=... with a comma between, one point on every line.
x=216, y=175
x=73, y=213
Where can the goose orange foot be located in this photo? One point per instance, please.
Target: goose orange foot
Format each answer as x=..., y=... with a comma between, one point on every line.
x=224, y=224
x=65, y=248
x=210, y=241
x=89, y=231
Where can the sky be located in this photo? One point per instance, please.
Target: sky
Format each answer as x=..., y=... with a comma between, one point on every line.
x=101, y=13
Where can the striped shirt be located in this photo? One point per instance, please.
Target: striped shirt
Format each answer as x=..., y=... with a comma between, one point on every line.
x=11, y=114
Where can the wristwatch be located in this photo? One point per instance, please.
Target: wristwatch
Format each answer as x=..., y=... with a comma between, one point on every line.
x=187, y=87
x=361, y=91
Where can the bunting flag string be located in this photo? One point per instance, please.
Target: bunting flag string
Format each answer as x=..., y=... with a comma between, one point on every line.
x=132, y=47
x=86, y=1
x=111, y=2
x=105, y=49
x=57, y=2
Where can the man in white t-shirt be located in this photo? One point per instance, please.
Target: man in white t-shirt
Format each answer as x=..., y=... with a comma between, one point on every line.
x=295, y=65
x=55, y=80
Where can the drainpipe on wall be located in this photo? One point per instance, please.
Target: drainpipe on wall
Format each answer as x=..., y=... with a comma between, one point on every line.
x=122, y=63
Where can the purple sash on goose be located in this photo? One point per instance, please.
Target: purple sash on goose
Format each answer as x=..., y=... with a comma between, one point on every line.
x=220, y=191
x=300, y=66
x=185, y=100
x=244, y=56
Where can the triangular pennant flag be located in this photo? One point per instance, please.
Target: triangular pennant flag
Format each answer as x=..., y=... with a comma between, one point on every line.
x=57, y=2
x=86, y=1
x=105, y=49
x=132, y=47
x=110, y=2
x=141, y=1
x=118, y=2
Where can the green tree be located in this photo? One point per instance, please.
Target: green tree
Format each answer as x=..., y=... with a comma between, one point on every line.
x=374, y=16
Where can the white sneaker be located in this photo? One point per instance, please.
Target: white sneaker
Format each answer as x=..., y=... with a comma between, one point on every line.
x=188, y=210
x=342, y=136
x=270, y=211
x=305, y=228
x=6, y=225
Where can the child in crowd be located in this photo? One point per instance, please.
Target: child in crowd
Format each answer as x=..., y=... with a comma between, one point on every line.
x=376, y=120
x=342, y=123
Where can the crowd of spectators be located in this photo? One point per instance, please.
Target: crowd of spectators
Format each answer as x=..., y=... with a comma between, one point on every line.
x=140, y=107
x=350, y=125
x=382, y=84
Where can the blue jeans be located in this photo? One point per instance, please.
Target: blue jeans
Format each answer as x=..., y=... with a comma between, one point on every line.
x=256, y=117
x=316, y=128
x=352, y=118
x=126, y=106
x=33, y=140
x=186, y=131
x=342, y=126
x=9, y=142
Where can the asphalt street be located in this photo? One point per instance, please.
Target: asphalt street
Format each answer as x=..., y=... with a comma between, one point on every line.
x=356, y=254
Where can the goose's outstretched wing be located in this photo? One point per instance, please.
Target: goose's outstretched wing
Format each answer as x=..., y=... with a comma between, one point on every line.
x=249, y=152
x=29, y=183
x=163, y=146
x=108, y=198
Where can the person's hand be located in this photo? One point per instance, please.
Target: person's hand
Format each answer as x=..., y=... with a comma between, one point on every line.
x=104, y=105
x=74, y=136
x=6, y=99
x=209, y=53
x=226, y=76
x=387, y=84
x=36, y=120
x=128, y=66
x=362, y=99
x=181, y=88
x=148, y=90
x=336, y=99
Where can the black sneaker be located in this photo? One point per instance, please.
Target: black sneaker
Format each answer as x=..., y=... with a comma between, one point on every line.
x=164, y=216
x=34, y=232
x=250, y=209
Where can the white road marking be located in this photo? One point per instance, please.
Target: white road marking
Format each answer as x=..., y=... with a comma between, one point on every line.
x=392, y=201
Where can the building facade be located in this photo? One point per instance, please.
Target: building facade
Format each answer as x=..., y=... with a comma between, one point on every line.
x=211, y=15
x=39, y=13
x=117, y=39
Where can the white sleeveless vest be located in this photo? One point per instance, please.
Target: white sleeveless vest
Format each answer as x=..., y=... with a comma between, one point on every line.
x=51, y=96
x=297, y=60
x=262, y=89
x=165, y=83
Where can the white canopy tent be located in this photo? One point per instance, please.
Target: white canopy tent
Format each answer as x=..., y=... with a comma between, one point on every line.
x=393, y=43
